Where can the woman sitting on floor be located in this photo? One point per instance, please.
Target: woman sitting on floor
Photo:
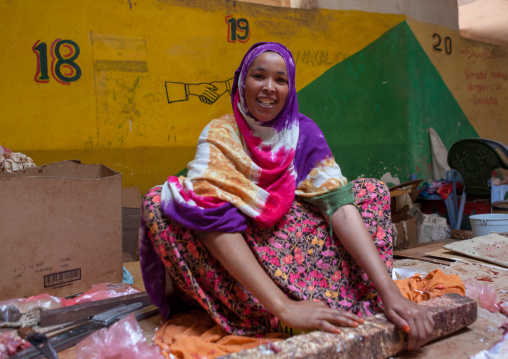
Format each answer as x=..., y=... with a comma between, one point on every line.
x=265, y=231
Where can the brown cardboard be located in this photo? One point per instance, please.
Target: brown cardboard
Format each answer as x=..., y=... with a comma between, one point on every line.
x=403, y=196
x=403, y=231
x=131, y=217
x=60, y=229
x=131, y=197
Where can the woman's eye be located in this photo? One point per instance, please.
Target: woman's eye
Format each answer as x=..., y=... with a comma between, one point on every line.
x=257, y=76
x=282, y=80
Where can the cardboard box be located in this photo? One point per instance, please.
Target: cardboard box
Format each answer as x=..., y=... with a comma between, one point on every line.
x=429, y=227
x=404, y=195
x=433, y=228
x=403, y=231
x=60, y=229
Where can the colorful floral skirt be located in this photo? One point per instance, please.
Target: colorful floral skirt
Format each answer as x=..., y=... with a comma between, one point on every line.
x=297, y=253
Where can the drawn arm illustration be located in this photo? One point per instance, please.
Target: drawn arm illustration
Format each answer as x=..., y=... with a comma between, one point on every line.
x=207, y=92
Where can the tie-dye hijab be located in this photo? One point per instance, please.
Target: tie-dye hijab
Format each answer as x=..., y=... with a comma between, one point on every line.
x=247, y=168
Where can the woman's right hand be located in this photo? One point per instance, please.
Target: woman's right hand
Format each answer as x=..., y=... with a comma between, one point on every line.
x=316, y=315
x=414, y=319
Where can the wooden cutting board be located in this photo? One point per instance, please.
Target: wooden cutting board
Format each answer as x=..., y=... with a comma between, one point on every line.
x=490, y=248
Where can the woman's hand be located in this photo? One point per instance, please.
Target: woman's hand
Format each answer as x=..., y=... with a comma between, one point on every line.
x=414, y=319
x=235, y=255
x=310, y=315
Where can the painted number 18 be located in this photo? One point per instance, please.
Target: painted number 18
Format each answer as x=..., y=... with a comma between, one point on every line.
x=63, y=68
x=237, y=29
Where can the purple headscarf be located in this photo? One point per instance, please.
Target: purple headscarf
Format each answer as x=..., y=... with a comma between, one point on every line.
x=312, y=146
x=289, y=112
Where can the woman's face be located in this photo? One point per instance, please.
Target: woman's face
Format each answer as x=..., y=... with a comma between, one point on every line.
x=266, y=86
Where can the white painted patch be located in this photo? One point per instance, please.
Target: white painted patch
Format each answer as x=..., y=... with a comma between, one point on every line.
x=388, y=178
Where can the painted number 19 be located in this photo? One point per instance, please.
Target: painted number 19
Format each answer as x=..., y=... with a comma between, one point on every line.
x=237, y=29
x=63, y=68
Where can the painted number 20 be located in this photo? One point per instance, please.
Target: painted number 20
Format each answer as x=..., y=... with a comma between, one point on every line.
x=63, y=68
x=237, y=29
x=447, y=44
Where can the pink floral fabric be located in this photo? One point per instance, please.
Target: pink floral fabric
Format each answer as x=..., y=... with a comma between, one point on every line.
x=297, y=253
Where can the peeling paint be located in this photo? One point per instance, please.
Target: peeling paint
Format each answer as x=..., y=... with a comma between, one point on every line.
x=390, y=180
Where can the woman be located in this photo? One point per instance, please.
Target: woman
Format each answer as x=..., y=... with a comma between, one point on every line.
x=265, y=231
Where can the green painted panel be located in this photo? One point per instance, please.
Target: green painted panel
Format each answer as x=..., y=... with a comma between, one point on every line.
x=376, y=106
x=431, y=104
x=361, y=106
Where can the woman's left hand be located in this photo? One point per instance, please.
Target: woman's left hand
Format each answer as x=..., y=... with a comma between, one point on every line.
x=414, y=319
x=348, y=225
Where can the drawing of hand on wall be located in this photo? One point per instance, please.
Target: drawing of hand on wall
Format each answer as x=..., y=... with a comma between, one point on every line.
x=207, y=92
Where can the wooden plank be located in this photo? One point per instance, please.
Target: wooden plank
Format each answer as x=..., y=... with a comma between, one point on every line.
x=86, y=310
x=420, y=251
x=490, y=248
x=376, y=338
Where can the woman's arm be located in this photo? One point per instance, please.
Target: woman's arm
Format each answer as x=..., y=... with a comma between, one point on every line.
x=237, y=258
x=349, y=227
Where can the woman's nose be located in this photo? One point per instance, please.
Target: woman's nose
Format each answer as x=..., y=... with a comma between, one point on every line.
x=269, y=85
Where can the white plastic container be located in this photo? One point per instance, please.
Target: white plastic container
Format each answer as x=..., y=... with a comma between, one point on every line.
x=483, y=224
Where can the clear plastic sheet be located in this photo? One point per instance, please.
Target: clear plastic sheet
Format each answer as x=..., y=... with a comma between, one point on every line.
x=123, y=340
x=102, y=291
x=12, y=309
x=484, y=294
x=498, y=350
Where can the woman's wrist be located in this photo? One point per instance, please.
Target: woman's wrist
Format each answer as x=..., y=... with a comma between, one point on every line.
x=388, y=290
x=283, y=309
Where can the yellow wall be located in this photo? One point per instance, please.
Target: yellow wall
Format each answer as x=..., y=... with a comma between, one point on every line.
x=117, y=111
x=476, y=73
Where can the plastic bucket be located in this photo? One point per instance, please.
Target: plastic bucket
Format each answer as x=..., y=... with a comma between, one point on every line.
x=500, y=207
x=483, y=224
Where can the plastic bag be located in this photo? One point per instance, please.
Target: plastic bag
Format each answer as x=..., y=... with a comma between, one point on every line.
x=14, y=161
x=44, y=301
x=123, y=340
x=439, y=156
x=482, y=293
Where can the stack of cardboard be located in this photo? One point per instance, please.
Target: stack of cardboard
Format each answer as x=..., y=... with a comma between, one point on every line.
x=409, y=225
x=404, y=225
x=131, y=217
x=430, y=227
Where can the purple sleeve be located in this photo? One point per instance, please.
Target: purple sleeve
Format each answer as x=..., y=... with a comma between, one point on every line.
x=225, y=218
x=311, y=148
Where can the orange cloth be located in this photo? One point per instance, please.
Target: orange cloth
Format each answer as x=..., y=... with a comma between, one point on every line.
x=194, y=335
x=435, y=284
